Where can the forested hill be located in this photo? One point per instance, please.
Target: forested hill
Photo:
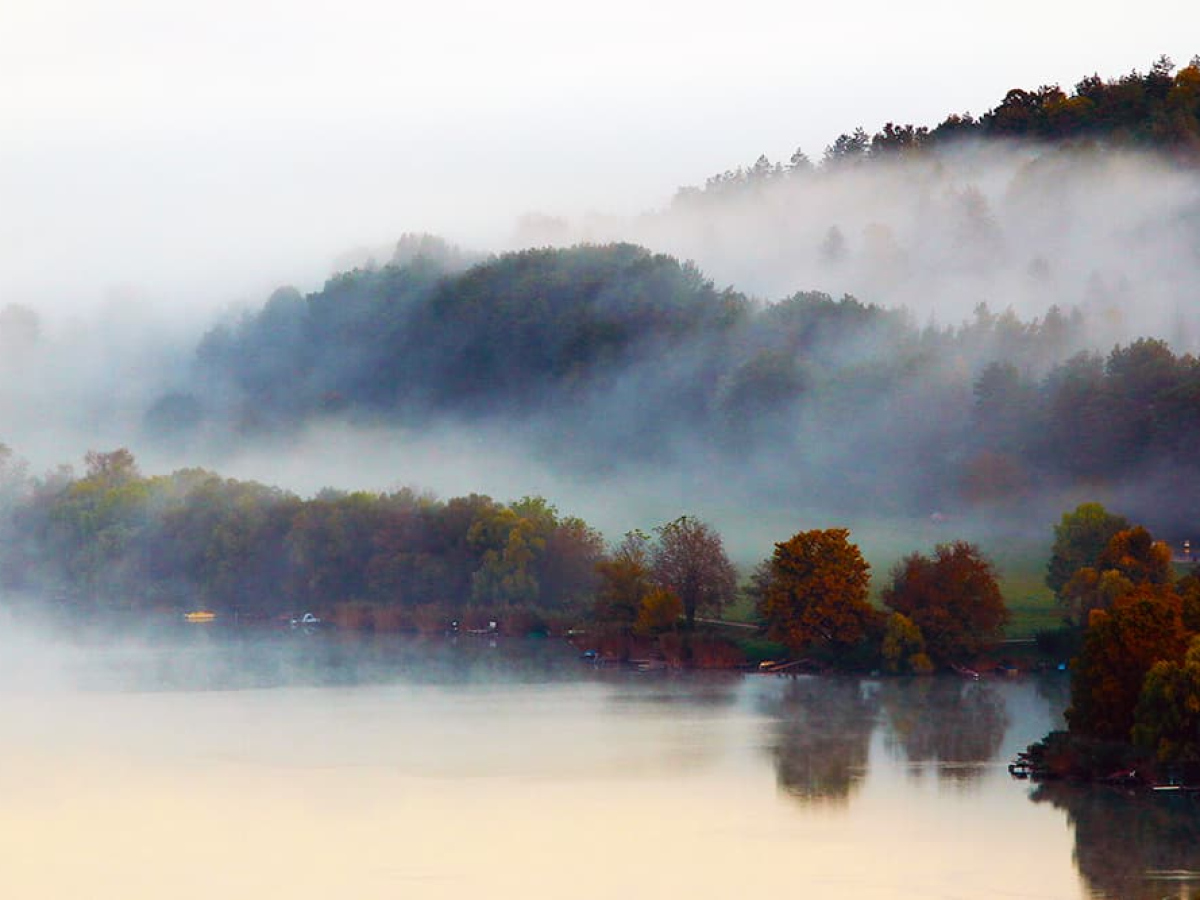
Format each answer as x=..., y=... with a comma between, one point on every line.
x=1023, y=326
x=1158, y=109
x=514, y=332
x=604, y=356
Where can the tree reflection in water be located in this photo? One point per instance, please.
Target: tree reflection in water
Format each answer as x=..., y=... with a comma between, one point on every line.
x=1132, y=845
x=822, y=736
x=955, y=725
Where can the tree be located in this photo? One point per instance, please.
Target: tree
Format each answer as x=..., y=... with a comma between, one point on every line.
x=1120, y=646
x=1137, y=556
x=624, y=581
x=566, y=569
x=1079, y=539
x=952, y=597
x=689, y=559
x=1167, y=717
x=1188, y=588
x=799, y=163
x=848, y=148
x=510, y=543
x=904, y=647
x=112, y=468
x=832, y=249
x=815, y=591
x=1130, y=558
x=1090, y=589
x=1004, y=404
x=659, y=611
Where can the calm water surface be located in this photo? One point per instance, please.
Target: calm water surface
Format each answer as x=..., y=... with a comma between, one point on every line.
x=203, y=765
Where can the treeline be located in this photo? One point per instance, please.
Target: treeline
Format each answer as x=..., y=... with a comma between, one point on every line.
x=641, y=338
x=192, y=539
x=556, y=326
x=612, y=354
x=1092, y=418
x=415, y=338
x=1158, y=109
x=117, y=539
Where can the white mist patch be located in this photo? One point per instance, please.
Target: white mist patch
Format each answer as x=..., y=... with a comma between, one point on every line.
x=33, y=662
x=451, y=461
x=1014, y=226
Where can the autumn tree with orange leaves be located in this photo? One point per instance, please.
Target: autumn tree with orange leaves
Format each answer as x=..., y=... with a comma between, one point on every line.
x=1120, y=647
x=952, y=597
x=813, y=591
x=1139, y=621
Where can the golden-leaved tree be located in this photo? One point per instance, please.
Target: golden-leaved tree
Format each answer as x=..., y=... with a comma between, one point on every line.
x=813, y=591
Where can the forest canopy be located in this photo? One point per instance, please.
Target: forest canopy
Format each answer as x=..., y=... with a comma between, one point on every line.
x=615, y=354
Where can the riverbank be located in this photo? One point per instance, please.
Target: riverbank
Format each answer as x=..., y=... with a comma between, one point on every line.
x=1063, y=756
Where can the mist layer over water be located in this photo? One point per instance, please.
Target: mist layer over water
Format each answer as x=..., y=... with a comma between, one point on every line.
x=198, y=763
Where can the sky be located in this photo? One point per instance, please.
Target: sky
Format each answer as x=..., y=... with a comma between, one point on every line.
x=195, y=156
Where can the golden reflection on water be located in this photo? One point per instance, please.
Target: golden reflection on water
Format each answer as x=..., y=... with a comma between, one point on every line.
x=580, y=790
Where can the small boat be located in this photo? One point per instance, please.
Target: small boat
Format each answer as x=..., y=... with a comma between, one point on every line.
x=306, y=622
x=199, y=616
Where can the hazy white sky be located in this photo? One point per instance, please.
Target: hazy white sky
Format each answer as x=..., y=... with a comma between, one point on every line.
x=200, y=153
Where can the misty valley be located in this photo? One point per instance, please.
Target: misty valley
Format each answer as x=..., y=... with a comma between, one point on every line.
x=827, y=513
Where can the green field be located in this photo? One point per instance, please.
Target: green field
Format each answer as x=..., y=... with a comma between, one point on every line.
x=1029, y=601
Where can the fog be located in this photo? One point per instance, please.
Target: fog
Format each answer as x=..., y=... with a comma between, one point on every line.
x=207, y=153
x=1023, y=228
x=1020, y=227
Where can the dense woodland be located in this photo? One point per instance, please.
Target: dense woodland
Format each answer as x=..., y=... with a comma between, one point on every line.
x=614, y=354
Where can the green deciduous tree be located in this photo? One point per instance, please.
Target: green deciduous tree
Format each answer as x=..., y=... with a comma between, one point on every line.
x=1167, y=717
x=1079, y=539
x=903, y=648
x=660, y=610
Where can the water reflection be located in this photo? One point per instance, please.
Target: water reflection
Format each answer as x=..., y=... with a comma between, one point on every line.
x=822, y=737
x=1055, y=689
x=382, y=768
x=953, y=725
x=659, y=692
x=1132, y=846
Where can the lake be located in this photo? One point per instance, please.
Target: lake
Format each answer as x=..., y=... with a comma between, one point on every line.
x=200, y=763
